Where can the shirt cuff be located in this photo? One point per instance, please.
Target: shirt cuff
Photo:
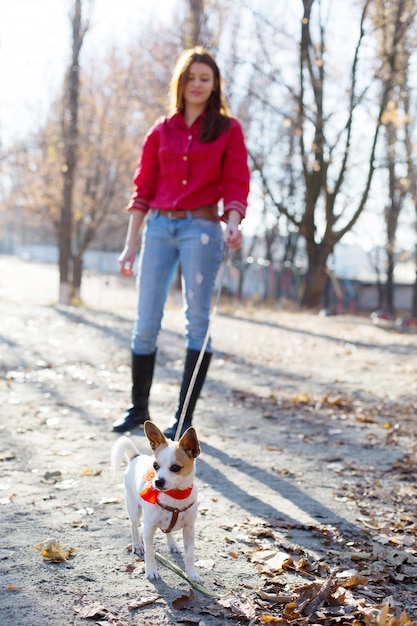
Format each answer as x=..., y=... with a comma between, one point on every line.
x=235, y=206
x=137, y=204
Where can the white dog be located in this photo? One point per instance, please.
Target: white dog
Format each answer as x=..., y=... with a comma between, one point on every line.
x=163, y=488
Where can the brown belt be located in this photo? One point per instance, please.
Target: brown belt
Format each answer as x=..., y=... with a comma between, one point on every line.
x=208, y=212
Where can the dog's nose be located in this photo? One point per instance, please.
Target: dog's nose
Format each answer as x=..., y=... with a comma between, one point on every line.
x=159, y=483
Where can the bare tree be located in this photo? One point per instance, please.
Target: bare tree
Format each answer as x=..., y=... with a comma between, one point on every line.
x=70, y=139
x=119, y=98
x=393, y=20
x=412, y=179
x=203, y=22
x=313, y=179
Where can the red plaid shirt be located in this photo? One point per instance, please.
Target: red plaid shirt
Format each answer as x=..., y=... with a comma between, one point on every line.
x=177, y=171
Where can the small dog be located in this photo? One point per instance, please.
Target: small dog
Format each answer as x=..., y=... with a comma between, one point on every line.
x=163, y=488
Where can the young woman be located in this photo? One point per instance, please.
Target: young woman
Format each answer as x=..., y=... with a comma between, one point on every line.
x=189, y=162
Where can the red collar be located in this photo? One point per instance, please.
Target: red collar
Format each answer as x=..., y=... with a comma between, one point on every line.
x=150, y=493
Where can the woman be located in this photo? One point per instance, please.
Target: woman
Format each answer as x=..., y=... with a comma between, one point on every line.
x=189, y=162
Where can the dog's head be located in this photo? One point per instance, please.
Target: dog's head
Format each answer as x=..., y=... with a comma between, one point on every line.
x=174, y=460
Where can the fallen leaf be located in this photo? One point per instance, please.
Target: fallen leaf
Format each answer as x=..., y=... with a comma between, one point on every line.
x=355, y=580
x=92, y=611
x=88, y=609
x=239, y=607
x=313, y=596
x=7, y=500
x=275, y=597
x=302, y=398
x=91, y=472
x=262, y=533
x=140, y=602
x=186, y=602
x=273, y=560
x=52, y=551
x=130, y=568
x=8, y=455
x=359, y=556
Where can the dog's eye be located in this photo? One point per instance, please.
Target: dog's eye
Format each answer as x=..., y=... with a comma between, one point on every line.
x=156, y=466
x=175, y=468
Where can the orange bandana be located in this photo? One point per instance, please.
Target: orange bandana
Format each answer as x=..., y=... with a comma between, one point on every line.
x=150, y=493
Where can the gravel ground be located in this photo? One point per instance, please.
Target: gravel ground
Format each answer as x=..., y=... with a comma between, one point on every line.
x=307, y=425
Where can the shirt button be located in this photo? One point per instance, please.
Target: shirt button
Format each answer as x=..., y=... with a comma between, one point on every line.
x=190, y=137
x=184, y=182
x=185, y=158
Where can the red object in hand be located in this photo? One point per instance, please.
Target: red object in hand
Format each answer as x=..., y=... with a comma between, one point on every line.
x=127, y=271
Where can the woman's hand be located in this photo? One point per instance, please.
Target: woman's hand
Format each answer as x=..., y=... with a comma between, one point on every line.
x=126, y=261
x=232, y=235
x=127, y=258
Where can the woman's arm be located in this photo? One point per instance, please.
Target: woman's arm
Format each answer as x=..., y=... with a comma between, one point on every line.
x=235, y=182
x=127, y=257
x=235, y=172
x=147, y=170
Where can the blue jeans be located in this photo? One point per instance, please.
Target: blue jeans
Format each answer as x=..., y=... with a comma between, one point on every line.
x=198, y=245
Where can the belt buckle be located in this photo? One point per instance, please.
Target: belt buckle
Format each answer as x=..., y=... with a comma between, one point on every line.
x=174, y=215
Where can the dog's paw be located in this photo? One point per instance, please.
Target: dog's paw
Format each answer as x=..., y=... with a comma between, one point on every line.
x=174, y=548
x=152, y=574
x=193, y=575
x=138, y=550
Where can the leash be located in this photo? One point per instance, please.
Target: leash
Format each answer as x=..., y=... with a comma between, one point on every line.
x=204, y=346
x=175, y=568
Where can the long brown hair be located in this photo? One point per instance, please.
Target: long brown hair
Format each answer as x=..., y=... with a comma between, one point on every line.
x=217, y=113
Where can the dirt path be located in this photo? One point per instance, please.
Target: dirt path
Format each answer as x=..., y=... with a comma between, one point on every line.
x=307, y=426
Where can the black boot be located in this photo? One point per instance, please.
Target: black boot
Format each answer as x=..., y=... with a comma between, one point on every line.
x=142, y=374
x=190, y=363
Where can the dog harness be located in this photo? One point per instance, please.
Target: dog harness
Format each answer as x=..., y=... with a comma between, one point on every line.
x=175, y=512
x=150, y=494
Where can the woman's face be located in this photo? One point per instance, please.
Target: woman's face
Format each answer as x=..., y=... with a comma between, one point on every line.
x=199, y=84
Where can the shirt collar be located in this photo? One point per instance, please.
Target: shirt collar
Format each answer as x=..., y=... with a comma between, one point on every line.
x=178, y=118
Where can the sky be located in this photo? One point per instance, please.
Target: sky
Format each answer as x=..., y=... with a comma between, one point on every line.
x=35, y=43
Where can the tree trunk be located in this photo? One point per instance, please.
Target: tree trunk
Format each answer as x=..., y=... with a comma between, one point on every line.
x=70, y=137
x=381, y=292
x=64, y=243
x=196, y=23
x=315, y=277
x=414, y=303
x=389, y=287
x=77, y=273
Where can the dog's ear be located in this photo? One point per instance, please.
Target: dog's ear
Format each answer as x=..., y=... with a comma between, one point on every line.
x=154, y=435
x=190, y=443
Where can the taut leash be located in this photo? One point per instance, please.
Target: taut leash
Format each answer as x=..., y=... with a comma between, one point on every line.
x=203, y=348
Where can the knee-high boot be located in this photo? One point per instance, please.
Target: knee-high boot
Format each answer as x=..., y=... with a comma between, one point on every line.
x=142, y=374
x=190, y=363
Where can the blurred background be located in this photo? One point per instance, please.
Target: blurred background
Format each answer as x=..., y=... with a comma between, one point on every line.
x=326, y=94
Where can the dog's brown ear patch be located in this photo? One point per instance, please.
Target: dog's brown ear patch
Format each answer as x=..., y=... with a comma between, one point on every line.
x=154, y=435
x=189, y=442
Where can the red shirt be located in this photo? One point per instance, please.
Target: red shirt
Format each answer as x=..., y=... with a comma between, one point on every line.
x=178, y=171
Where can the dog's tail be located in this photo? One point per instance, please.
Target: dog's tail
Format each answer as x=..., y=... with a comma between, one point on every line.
x=123, y=449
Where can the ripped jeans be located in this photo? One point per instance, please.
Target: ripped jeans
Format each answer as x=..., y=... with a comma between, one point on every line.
x=197, y=244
